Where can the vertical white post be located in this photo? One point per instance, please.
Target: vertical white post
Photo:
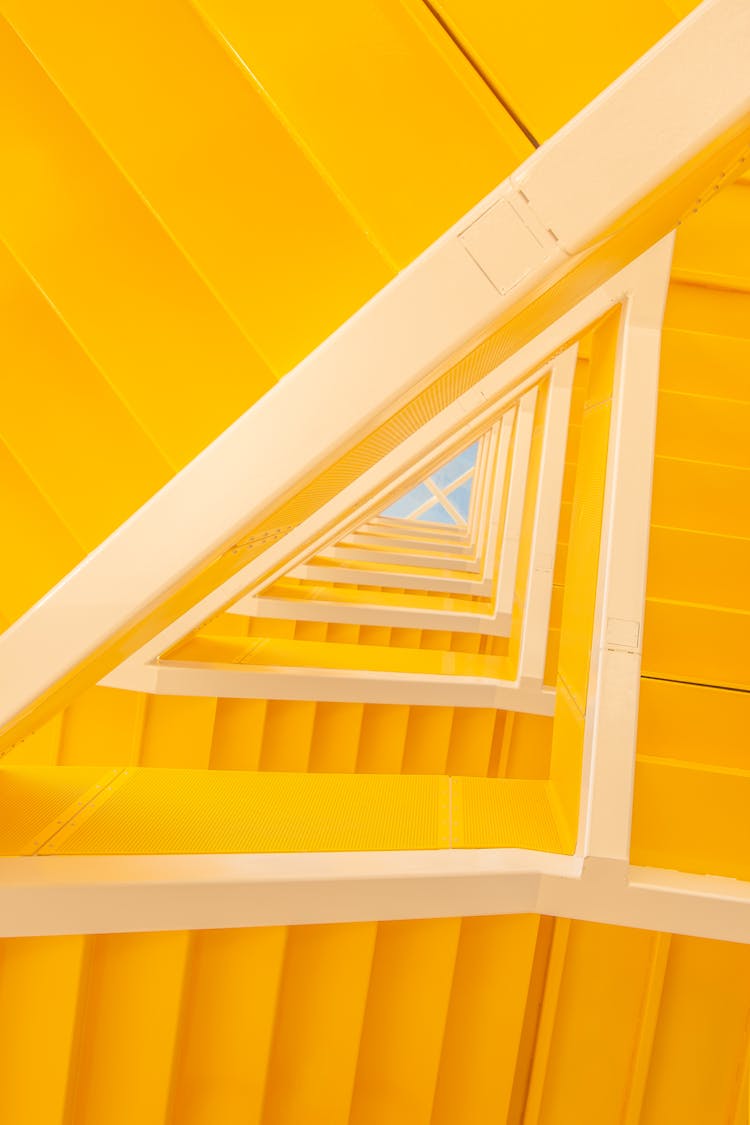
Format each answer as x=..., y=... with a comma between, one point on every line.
x=614, y=678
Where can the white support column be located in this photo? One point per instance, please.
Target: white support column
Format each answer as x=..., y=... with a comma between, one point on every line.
x=536, y=617
x=614, y=680
x=511, y=536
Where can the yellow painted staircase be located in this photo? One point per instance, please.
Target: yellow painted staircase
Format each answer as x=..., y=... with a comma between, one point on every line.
x=133, y=197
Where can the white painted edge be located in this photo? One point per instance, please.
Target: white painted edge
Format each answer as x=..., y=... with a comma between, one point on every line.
x=395, y=526
x=384, y=557
x=493, y=511
x=393, y=617
x=537, y=610
x=615, y=669
x=342, y=685
x=46, y=895
x=372, y=538
x=405, y=579
x=486, y=453
x=517, y=499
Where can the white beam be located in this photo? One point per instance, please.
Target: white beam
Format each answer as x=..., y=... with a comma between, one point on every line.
x=433, y=500
x=343, y=685
x=44, y=895
x=617, y=643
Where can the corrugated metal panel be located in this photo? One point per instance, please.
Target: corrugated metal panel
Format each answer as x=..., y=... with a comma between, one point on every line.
x=467, y=1021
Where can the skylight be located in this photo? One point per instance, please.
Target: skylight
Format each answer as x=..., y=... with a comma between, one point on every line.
x=443, y=497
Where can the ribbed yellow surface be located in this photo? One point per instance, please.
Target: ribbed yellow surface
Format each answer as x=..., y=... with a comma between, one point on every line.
x=523, y=814
x=453, y=1021
x=34, y=802
x=90, y=811
x=171, y=811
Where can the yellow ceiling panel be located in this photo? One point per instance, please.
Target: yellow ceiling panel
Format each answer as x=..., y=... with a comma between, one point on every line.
x=44, y=548
x=392, y=111
x=111, y=270
x=244, y=207
x=548, y=60
x=94, y=476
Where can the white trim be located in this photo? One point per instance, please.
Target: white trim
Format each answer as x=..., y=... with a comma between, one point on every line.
x=486, y=452
x=615, y=669
x=45, y=895
x=394, y=526
x=402, y=579
x=371, y=538
x=680, y=98
x=517, y=500
x=382, y=557
x=534, y=638
x=341, y=685
x=395, y=617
